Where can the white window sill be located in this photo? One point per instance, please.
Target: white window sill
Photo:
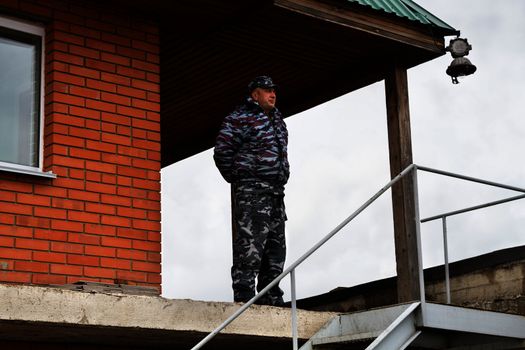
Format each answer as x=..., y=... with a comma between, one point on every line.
x=27, y=171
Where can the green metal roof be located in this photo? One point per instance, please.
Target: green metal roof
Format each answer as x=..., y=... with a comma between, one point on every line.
x=407, y=9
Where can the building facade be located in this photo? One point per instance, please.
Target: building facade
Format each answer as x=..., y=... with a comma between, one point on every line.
x=79, y=144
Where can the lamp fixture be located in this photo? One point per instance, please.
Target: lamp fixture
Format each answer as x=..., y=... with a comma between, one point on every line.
x=460, y=66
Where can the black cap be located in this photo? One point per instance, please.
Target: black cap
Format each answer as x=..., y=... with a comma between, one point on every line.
x=262, y=81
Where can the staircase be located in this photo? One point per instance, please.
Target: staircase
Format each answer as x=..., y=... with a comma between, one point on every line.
x=421, y=326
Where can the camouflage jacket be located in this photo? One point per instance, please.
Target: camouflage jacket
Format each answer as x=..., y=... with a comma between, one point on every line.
x=252, y=145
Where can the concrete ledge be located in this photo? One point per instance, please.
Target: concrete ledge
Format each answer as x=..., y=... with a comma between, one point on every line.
x=55, y=315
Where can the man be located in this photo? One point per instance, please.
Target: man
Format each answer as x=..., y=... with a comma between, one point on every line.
x=251, y=154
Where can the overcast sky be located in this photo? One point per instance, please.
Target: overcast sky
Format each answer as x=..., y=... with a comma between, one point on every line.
x=339, y=158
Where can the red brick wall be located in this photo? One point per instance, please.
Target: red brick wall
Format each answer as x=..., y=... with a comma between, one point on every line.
x=99, y=220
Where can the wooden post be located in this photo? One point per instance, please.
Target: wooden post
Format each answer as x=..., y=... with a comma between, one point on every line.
x=400, y=146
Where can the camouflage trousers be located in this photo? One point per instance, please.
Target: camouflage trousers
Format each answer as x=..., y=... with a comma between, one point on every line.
x=259, y=247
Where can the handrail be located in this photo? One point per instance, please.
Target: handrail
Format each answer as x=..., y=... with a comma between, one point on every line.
x=444, y=216
x=291, y=269
x=303, y=258
x=476, y=207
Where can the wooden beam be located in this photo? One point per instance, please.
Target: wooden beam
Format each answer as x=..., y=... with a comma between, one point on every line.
x=400, y=146
x=398, y=30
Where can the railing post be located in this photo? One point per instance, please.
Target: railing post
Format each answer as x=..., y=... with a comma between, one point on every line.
x=294, y=311
x=445, y=250
x=417, y=220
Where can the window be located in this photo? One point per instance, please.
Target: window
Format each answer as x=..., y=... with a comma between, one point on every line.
x=21, y=80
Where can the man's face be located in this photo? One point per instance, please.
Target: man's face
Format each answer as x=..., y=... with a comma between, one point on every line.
x=265, y=97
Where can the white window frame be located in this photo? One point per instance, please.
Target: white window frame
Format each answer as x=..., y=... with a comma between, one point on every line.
x=37, y=30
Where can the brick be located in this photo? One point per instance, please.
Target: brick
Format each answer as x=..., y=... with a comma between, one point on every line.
x=146, y=204
x=7, y=241
x=47, y=279
x=83, y=260
x=131, y=254
x=124, y=181
x=109, y=179
x=15, y=277
x=49, y=257
x=115, y=263
x=145, y=85
x=100, y=45
x=116, y=78
x=101, y=167
x=69, y=183
x=83, y=216
x=85, y=92
x=99, y=272
x=145, y=124
x=12, y=208
x=101, y=106
x=33, y=244
x=8, y=196
x=145, y=66
x=146, y=184
x=84, y=52
x=120, y=140
x=116, y=159
x=19, y=254
x=132, y=192
x=69, y=162
x=153, y=97
x=131, y=233
x=132, y=112
x=153, y=58
x=146, y=164
x=114, y=98
x=50, y=191
x=82, y=238
x=132, y=213
x=85, y=112
x=66, y=58
x=85, y=72
x=130, y=52
x=84, y=133
x=82, y=195
x=67, y=248
x=85, y=31
x=101, y=229
x=131, y=92
x=115, y=221
x=140, y=133
x=32, y=199
x=7, y=219
x=144, y=245
x=154, y=216
x=67, y=99
x=116, y=242
x=100, y=251
x=16, y=186
x=146, y=267
x=116, y=200
x=116, y=119
x=68, y=38
x=153, y=77
x=100, y=85
x=33, y=221
x=100, y=188
x=131, y=171
x=50, y=235
x=66, y=270
x=84, y=154
x=93, y=124
x=132, y=72
x=67, y=140
x=132, y=276
x=117, y=39
x=17, y=231
x=117, y=59
x=31, y=266
x=93, y=176
x=101, y=66
x=154, y=278
x=148, y=145
x=67, y=225
x=101, y=146
x=67, y=204
x=123, y=130
x=54, y=213
x=100, y=208
x=142, y=104
x=154, y=257
x=67, y=120
x=109, y=128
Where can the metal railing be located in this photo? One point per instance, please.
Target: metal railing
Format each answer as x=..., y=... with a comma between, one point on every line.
x=444, y=216
x=291, y=269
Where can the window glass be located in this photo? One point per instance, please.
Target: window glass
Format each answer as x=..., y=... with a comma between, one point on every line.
x=20, y=73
